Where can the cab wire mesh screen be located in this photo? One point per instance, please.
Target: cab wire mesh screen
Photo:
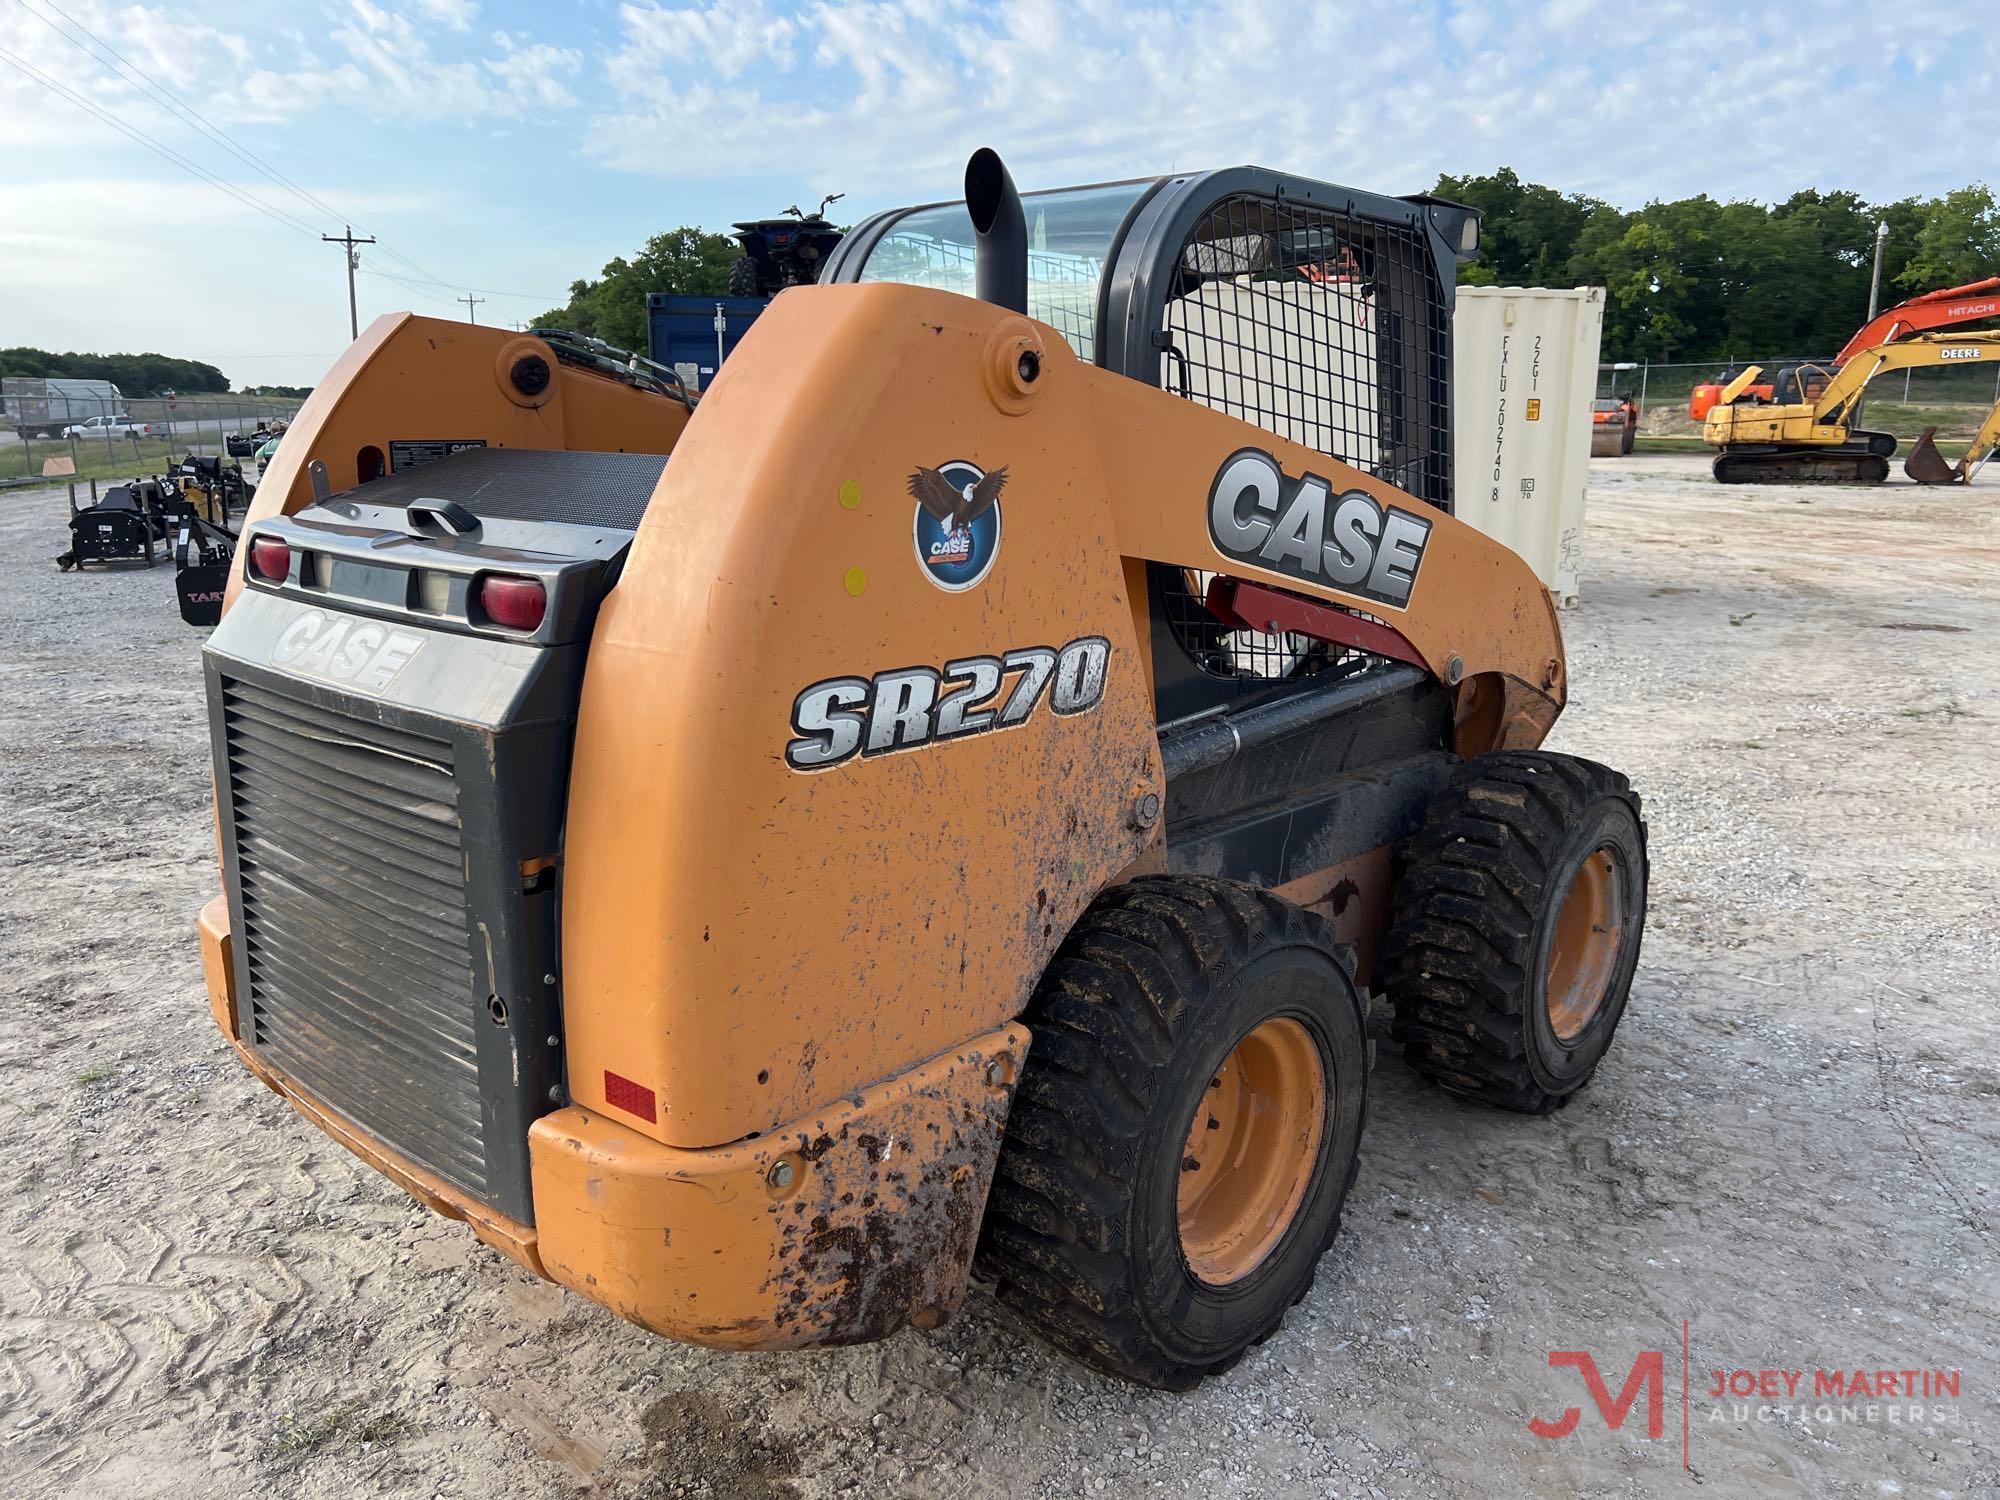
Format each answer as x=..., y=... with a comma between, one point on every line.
x=1321, y=327
x=1328, y=330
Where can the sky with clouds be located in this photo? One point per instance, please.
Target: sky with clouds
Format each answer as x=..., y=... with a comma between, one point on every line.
x=504, y=148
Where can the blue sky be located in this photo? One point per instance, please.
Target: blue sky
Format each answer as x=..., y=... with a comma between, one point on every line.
x=513, y=147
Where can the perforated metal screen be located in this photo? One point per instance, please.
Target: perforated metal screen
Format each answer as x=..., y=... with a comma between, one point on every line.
x=1330, y=331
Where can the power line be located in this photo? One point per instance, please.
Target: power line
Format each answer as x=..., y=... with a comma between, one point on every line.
x=187, y=112
x=470, y=303
x=201, y=122
x=36, y=75
x=555, y=299
x=125, y=67
x=424, y=282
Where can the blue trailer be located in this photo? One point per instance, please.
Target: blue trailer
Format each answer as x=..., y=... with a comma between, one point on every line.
x=694, y=334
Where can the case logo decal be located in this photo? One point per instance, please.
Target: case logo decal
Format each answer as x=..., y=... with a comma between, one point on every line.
x=339, y=648
x=1300, y=528
x=956, y=529
x=909, y=708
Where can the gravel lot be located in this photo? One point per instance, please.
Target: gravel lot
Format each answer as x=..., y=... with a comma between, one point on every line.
x=1794, y=1146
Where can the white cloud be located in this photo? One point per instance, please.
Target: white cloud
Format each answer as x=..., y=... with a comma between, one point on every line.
x=457, y=14
x=723, y=38
x=371, y=59
x=888, y=96
x=734, y=99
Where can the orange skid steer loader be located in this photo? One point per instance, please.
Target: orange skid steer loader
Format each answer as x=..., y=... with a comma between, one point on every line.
x=949, y=816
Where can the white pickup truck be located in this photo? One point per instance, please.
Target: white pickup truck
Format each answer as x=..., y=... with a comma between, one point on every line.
x=118, y=426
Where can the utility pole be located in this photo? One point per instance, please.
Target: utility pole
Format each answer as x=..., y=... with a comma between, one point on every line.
x=470, y=302
x=1875, y=283
x=349, y=241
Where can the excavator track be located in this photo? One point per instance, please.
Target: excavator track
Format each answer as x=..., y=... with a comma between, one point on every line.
x=1848, y=463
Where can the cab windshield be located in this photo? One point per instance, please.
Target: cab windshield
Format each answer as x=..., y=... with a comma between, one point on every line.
x=1069, y=235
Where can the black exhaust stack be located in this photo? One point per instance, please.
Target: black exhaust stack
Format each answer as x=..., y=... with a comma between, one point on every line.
x=1000, y=264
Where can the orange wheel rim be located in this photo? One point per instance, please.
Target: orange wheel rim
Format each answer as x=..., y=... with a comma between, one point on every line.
x=1590, y=929
x=1250, y=1151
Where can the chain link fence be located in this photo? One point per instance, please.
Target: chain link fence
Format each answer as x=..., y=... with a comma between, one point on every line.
x=1952, y=398
x=52, y=434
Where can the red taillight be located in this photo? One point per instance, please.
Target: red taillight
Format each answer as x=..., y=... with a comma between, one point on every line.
x=516, y=602
x=271, y=557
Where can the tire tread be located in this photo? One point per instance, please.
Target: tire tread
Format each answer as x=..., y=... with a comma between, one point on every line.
x=1118, y=992
x=1455, y=962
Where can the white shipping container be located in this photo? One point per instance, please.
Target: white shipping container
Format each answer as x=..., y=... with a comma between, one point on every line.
x=1524, y=370
x=1295, y=357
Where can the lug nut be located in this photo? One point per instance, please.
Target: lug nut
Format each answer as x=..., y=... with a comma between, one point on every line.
x=781, y=1174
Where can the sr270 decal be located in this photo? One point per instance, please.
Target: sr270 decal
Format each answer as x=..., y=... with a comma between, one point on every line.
x=913, y=707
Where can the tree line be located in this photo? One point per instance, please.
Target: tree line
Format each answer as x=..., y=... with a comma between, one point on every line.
x=1701, y=280
x=613, y=306
x=1694, y=279
x=133, y=374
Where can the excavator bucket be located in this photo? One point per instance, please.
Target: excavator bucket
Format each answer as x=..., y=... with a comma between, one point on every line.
x=1928, y=466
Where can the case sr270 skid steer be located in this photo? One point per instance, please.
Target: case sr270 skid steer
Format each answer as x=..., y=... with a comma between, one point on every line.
x=944, y=818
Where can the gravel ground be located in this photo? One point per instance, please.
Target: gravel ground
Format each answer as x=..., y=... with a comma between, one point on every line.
x=1793, y=1150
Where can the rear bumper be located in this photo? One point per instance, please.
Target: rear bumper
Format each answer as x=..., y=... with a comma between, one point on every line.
x=835, y=1229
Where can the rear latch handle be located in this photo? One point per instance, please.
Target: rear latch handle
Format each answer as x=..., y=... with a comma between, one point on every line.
x=448, y=515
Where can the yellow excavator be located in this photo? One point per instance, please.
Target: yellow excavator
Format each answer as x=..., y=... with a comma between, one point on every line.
x=1821, y=441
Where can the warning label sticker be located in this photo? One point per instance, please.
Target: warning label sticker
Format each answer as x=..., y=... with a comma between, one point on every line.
x=417, y=452
x=1534, y=409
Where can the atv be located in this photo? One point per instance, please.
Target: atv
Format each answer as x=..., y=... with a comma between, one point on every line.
x=785, y=251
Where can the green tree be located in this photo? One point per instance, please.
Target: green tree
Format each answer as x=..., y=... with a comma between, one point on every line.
x=613, y=307
x=1529, y=231
x=133, y=374
x=1959, y=241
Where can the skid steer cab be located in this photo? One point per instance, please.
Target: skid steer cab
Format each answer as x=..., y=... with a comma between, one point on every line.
x=939, y=807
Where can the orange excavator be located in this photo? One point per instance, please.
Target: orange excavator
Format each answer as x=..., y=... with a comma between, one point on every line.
x=1947, y=307
x=1971, y=303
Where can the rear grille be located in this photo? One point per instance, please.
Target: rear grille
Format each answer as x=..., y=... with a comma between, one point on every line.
x=351, y=870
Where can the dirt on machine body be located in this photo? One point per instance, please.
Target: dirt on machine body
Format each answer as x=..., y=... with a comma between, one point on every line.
x=946, y=816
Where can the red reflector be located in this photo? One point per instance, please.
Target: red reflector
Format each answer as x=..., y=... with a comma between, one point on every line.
x=516, y=602
x=272, y=558
x=633, y=1098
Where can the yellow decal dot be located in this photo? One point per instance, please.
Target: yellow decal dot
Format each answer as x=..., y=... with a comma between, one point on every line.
x=856, y=581
x=850, y=493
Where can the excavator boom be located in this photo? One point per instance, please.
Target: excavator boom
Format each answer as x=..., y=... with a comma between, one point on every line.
x=1951, y=305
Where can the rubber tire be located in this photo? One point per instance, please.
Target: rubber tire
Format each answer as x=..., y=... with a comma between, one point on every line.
x=1466, y=957
x=1153, y=987
x=743, y=278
